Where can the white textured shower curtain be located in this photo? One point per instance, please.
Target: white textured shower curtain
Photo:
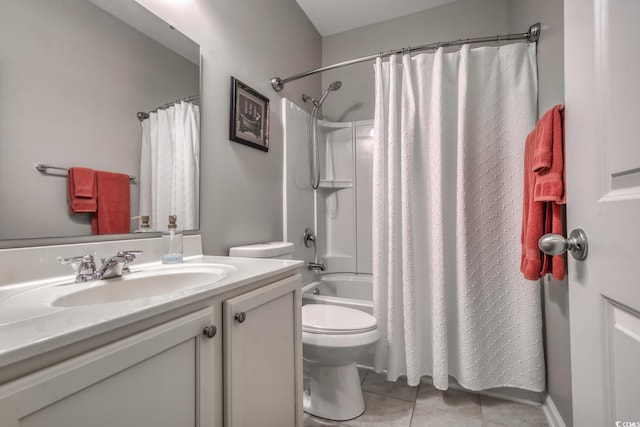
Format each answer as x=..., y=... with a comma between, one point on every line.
x=449, y=133
x=170, y=166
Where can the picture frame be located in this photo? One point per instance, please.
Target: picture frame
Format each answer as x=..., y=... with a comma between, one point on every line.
x=249, y=116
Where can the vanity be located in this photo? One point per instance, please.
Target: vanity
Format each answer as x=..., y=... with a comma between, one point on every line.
x=220, y=348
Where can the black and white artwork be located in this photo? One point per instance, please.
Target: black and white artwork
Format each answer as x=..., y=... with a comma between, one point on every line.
x=249, y=116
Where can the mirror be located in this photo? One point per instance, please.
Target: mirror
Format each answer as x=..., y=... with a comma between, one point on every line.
x=73, y=76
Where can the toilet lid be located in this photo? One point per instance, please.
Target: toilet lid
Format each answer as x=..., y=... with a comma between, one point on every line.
x=334, y=319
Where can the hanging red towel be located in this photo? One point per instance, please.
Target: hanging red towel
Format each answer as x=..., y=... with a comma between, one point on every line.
x=544, y=194
x=113, y=215
x=81, y=190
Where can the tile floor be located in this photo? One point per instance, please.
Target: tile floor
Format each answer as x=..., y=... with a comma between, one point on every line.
x=399, y=405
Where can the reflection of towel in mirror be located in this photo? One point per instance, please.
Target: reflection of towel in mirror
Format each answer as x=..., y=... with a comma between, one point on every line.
x=81, y=190
x=113, y=215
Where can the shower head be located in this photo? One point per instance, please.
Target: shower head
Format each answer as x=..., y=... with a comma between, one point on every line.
x=335, y=85
x=332, y=87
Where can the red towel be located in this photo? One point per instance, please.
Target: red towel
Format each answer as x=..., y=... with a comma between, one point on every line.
x=81, y=190
x=544, y=193
x=113, y=215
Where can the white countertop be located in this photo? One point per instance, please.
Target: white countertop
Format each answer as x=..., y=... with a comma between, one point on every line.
x=51, y=328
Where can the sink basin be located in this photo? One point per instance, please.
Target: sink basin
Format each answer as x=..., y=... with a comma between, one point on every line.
x=152, y=282
x=145, y=284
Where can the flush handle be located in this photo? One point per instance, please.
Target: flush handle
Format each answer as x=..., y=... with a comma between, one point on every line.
x=555, y=244
x=240, y=317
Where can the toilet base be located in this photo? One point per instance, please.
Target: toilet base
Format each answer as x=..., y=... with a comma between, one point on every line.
x=334, y=391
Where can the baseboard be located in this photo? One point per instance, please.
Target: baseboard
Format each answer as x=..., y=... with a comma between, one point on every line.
x=551, y=412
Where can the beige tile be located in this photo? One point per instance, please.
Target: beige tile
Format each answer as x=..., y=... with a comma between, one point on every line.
x=434, y=417
x=377, y=383
x=382, y=411
x=497, y=412
x=452, y=401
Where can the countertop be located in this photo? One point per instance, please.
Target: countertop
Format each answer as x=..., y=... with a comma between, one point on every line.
x=50, y=328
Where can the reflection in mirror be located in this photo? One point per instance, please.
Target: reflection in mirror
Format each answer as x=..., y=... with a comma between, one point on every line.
x=72, y=79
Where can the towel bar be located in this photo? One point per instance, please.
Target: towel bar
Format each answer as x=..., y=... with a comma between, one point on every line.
x=42, y=167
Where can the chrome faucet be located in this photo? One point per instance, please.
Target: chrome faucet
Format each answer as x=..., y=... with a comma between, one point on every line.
x=316, y=266
x=114, y=266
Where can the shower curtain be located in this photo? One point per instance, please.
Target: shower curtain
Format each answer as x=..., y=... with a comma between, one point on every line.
x=449, y=132
x=169, y=166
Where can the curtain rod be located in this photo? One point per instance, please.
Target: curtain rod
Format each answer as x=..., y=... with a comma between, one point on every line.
x=531, y=36
x=42, y=167
x=141, y=115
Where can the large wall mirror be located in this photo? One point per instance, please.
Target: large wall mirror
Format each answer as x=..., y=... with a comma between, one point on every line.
x=73, y=76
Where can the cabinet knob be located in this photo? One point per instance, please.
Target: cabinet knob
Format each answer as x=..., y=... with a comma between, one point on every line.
x=240, y=317
x=210, y=331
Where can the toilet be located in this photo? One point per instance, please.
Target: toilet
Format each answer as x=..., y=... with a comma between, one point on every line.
x=333, y=338
x=279, y=250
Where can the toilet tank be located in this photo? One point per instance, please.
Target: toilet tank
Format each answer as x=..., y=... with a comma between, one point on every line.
x=279, y=250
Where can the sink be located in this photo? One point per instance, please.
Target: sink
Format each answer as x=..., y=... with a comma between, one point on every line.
x=145, y=284
x=151, y=282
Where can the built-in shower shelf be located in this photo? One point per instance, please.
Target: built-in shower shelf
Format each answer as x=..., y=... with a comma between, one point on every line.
x=326, y=183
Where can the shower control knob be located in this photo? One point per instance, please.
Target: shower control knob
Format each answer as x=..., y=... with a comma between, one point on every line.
x=240, y=317
x=210, y=331
x=555, y=244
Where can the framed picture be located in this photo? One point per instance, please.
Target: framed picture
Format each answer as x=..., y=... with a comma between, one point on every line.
x=249, y=116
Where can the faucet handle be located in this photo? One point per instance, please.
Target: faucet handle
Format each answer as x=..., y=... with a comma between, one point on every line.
x=127, y=257
x=87, y=263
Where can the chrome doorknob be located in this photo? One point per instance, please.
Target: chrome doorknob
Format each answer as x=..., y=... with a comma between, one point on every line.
x=555, y=244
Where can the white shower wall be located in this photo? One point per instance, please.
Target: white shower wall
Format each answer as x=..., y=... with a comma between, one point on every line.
x=340, y=209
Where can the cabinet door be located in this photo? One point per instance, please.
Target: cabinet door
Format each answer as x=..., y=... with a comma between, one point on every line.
x=160, y=377
x=263, y=357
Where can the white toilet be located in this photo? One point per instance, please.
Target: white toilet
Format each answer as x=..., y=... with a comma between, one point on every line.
x=333, y=337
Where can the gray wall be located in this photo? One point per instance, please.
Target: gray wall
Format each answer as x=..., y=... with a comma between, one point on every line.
x=462, y=19
x=241, y=192
x=72, y=78
x=523, y=13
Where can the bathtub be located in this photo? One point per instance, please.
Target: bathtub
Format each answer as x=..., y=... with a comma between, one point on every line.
x=347, y=290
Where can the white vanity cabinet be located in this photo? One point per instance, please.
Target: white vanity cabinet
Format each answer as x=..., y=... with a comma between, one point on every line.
x=163, y=376
x=262, y=336
x=165, y=371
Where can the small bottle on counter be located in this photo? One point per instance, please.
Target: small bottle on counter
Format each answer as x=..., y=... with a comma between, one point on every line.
x=144, y=225
x=172, y=241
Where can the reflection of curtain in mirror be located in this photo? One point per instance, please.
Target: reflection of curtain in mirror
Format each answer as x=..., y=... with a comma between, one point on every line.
x=169, y=166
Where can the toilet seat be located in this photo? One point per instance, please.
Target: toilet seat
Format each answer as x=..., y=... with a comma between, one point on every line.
x=336, y=320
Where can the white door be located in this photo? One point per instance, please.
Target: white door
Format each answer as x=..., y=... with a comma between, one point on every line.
x=602, y=78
